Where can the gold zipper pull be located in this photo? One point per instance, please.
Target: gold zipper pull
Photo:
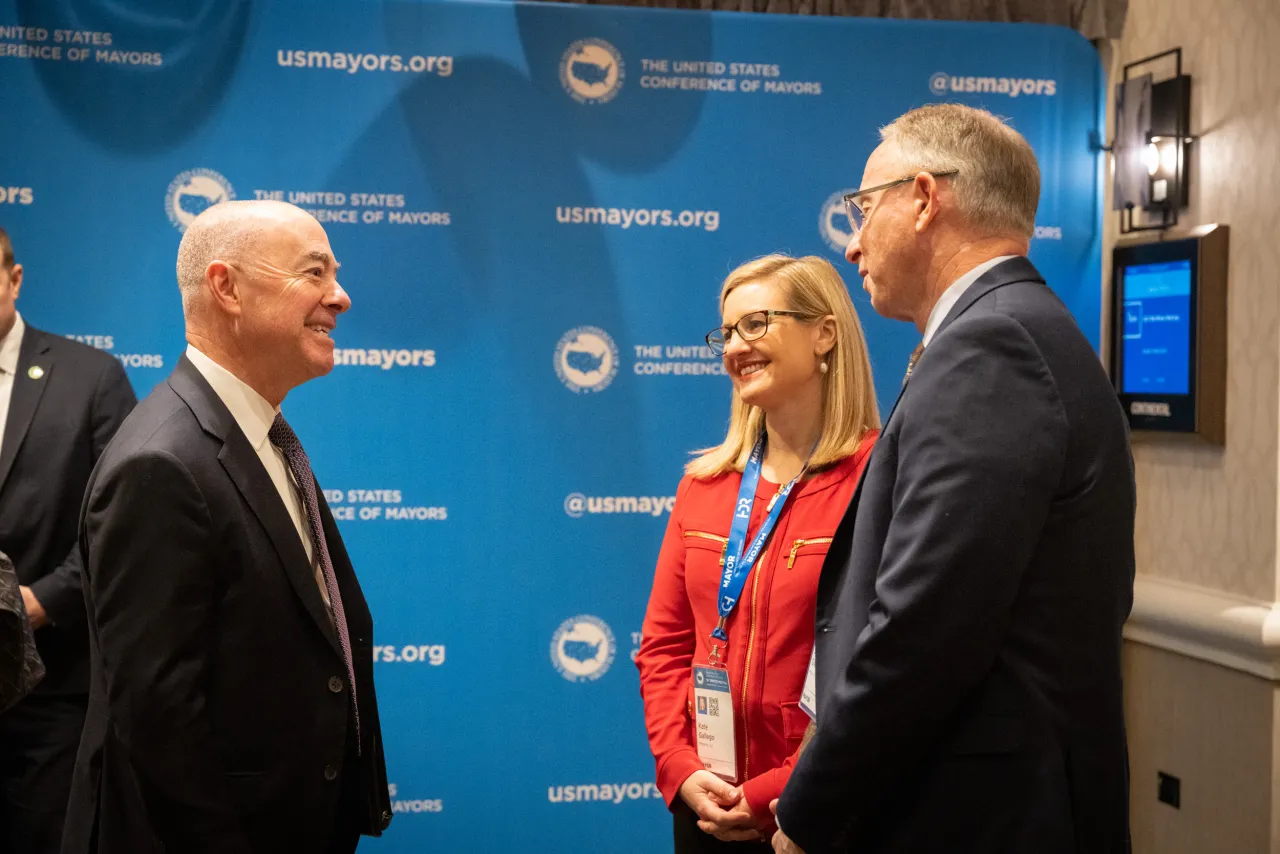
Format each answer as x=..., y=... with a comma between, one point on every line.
x=795, y=547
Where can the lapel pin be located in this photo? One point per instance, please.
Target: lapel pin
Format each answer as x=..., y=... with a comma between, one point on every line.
x=35, y=372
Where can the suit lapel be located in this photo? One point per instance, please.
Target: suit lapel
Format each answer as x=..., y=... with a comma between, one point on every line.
x=242, y=465
x=1006, y=273
x=33, y=358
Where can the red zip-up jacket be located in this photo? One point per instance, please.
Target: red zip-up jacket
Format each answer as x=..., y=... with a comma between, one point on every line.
x=770, y=632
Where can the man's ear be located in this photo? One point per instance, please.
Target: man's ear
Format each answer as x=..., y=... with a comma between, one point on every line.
x=925, y=203
x=15, y=279
x=220, y=280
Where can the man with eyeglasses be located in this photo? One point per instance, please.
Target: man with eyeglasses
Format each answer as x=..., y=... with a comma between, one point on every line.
x=968, y=687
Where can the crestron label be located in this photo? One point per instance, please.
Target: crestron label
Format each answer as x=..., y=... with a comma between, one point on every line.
x=1158, y=409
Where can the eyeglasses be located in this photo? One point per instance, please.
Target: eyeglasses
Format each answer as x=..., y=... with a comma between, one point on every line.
x=856, y=218
x=750, y=327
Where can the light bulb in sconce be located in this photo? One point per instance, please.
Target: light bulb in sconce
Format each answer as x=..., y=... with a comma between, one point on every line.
x=1169, y=156
x=1151, y=158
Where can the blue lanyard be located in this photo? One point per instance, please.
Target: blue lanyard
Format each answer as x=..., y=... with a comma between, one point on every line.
x=737, y=565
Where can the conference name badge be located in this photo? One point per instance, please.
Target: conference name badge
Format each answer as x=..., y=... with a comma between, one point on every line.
x=809, y=696
x=713, y=722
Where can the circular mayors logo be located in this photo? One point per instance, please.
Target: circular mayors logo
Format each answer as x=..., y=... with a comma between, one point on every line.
x=192, y=193
x=591, y=71
x=582, y=648
x=586, y=359
x=833, y=222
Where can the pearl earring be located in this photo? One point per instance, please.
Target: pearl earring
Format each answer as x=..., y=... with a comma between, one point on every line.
x=822, y=366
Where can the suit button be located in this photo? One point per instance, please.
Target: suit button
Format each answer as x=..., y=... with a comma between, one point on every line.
x=330, y=773
x=335, y=684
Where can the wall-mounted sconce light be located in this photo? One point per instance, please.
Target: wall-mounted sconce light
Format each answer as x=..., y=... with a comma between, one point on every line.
x=1151, y=147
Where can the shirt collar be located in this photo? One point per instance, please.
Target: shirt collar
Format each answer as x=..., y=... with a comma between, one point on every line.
x=11, y=347
x=953, y=293
x=251, y=410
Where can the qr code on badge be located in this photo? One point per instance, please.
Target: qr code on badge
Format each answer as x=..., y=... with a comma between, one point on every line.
x=713, y=706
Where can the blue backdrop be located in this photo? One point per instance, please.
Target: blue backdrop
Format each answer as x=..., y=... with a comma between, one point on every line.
x=534, y=206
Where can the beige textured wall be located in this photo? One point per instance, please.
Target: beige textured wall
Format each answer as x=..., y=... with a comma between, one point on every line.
x=1212, y=728
x=1208, y=516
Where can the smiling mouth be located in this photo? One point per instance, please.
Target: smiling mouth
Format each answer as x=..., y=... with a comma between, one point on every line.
x=320, y=330
x=751, y=369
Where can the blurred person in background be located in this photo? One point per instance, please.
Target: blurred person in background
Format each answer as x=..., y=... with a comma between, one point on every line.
x=60, y=404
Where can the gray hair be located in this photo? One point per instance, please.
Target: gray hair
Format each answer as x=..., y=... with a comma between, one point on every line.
x=228, y=231
x=997, y=187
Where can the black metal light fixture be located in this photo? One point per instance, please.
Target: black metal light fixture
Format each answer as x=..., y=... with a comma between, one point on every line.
x=1152, y=146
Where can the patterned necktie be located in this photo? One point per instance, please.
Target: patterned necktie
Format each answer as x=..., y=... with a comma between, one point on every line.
x=283, y=437
x=911, y=365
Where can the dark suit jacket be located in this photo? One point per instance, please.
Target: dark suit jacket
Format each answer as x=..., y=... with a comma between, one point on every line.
x=220, y=710
x=970, y=607
x=58, y=426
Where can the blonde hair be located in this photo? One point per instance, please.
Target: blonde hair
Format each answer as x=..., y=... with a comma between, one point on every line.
x=811, y=286
x=997, y=185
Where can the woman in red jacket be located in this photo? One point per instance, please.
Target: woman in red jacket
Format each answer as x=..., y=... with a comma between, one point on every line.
x=729, y=627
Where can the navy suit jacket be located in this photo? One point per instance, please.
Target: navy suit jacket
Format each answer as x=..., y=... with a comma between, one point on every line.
x=219, y=709
x=60, y=420
x=970, y=609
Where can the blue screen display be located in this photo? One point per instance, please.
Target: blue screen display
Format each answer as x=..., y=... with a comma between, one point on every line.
x=1157, y=328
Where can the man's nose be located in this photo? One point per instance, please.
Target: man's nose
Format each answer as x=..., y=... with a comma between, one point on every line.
x=338, y=300
x=853, y=251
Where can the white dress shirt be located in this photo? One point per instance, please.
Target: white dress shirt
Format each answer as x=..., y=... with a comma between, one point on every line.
x=9, y=350
x=953, y=293
x=254, y=415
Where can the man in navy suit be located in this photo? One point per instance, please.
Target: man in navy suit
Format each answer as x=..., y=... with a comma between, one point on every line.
x=970, y=609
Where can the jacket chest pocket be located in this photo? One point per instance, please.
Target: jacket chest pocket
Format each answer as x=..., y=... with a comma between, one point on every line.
x=704, y=554
x=796, y=573
x=806, y=549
